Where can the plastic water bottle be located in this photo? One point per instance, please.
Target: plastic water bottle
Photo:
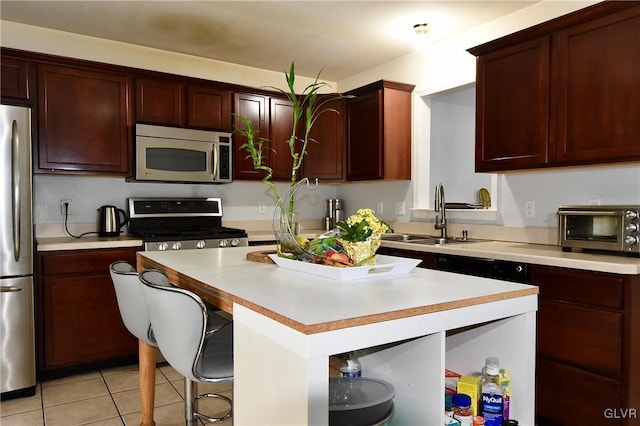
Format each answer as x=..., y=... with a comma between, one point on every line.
x=351, y=366
x=492, y=393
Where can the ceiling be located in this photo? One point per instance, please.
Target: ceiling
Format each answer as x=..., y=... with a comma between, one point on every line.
x=343, y=38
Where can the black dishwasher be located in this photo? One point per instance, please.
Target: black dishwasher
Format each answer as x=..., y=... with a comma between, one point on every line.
x=489, y=268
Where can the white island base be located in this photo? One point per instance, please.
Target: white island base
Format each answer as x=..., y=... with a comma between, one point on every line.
x=281, y=375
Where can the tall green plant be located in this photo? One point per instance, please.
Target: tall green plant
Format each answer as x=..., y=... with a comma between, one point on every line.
x=307, y=107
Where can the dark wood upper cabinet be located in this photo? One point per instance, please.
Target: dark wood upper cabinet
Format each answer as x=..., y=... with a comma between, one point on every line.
x=281, y=128
x=208, y=108
x=561, y=93
x=512, y=97
x=84, y=124
x=379, y=132
x=159, y=102
x=255, y=108
x=326, y=147
x=169, y=102
x=598, y=90
x=273, y=117
x=17, y=80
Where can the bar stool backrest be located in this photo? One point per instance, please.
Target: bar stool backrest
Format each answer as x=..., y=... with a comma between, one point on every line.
x=179, y=320
x=133, y=309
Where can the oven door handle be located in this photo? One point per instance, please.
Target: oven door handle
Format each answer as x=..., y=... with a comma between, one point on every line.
x=214, y=162
x=588, y=213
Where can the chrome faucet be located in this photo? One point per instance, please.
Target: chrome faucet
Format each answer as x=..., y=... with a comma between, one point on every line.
x=440, y=206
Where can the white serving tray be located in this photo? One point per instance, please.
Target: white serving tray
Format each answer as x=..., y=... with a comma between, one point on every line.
x=386, y=266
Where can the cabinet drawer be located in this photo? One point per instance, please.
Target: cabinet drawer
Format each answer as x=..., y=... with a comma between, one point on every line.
x=593, y=288
x=84, y=261
x=582, y=336
x=570, y=396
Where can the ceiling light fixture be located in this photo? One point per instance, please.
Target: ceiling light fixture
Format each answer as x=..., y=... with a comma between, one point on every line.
x=420, y=29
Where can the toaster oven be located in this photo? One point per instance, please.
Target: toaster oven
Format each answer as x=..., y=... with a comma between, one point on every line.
x=604, y=228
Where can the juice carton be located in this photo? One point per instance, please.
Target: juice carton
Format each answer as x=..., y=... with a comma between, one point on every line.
x=505, y=382
x=470, y=385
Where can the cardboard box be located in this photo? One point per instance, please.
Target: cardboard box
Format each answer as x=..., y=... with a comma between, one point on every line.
x=470, y=385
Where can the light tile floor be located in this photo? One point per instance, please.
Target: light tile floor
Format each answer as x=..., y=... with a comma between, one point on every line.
x=111, y=398
x=106, y=398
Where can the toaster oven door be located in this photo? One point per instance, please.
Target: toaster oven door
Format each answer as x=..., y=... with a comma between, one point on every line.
x=598, y=230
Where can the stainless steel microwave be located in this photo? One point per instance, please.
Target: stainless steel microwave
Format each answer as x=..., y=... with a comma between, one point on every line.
x=606, y=228
x=171, y=154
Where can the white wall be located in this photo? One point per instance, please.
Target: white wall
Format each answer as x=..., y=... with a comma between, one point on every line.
x=239, y=199
x=445, y=65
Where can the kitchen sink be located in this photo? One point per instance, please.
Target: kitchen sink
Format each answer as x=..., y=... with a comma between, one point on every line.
x=427, y=239
x=404, y=238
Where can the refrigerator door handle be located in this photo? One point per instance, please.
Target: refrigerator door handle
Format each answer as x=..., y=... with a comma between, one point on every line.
x=10, y=289
x=15, y=183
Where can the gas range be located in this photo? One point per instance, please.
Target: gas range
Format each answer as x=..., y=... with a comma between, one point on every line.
x=181, y=223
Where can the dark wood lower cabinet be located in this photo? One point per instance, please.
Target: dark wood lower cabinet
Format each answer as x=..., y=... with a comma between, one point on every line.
x=568, y=395
x=588, y=347
x=78, y=317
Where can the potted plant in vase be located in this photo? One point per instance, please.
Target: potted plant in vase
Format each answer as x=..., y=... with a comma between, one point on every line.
x=307, y=107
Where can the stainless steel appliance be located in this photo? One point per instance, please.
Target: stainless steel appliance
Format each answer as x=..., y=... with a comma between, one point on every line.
x=334, y=213
x=172, y=154
x=182, y=223
x=111, y=220
x=17, y=332
x=505, y=270
x=607, y=228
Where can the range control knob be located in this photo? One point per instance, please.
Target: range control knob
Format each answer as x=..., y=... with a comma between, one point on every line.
x=223, y=243
x=200, y=244
x=631, y=214
x=631, y=240
x=235, y=242
x=176, y=246
x=631, y=227
x=163, y=246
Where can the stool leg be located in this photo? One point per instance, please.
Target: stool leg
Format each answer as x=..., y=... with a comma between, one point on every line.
x=190, y=402
x=147, y=365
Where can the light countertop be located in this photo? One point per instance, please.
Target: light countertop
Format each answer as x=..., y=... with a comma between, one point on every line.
x=539, y=254
x=86, y=243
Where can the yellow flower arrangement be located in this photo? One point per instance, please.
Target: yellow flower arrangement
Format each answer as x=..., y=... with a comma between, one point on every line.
x=362, y=225
x=361, y=235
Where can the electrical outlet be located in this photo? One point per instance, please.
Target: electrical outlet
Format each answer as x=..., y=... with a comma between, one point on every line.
x=262, y=208
x=594, y=202
x=400, y=209
x=380, y=207
x=68, y=210
x=529, y=209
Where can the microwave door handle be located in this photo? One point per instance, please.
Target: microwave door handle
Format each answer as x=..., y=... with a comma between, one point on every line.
x=588, y=213
x=214, y=162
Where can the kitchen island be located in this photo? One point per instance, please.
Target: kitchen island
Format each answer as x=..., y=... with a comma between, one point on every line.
x=408, y=329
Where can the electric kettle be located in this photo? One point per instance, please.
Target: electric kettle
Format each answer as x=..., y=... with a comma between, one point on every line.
x=111, y=220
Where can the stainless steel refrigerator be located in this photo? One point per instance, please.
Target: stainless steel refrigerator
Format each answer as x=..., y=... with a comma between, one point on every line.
x=17, y=331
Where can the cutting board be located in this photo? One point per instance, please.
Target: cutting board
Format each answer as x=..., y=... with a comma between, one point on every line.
x=261, y=256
